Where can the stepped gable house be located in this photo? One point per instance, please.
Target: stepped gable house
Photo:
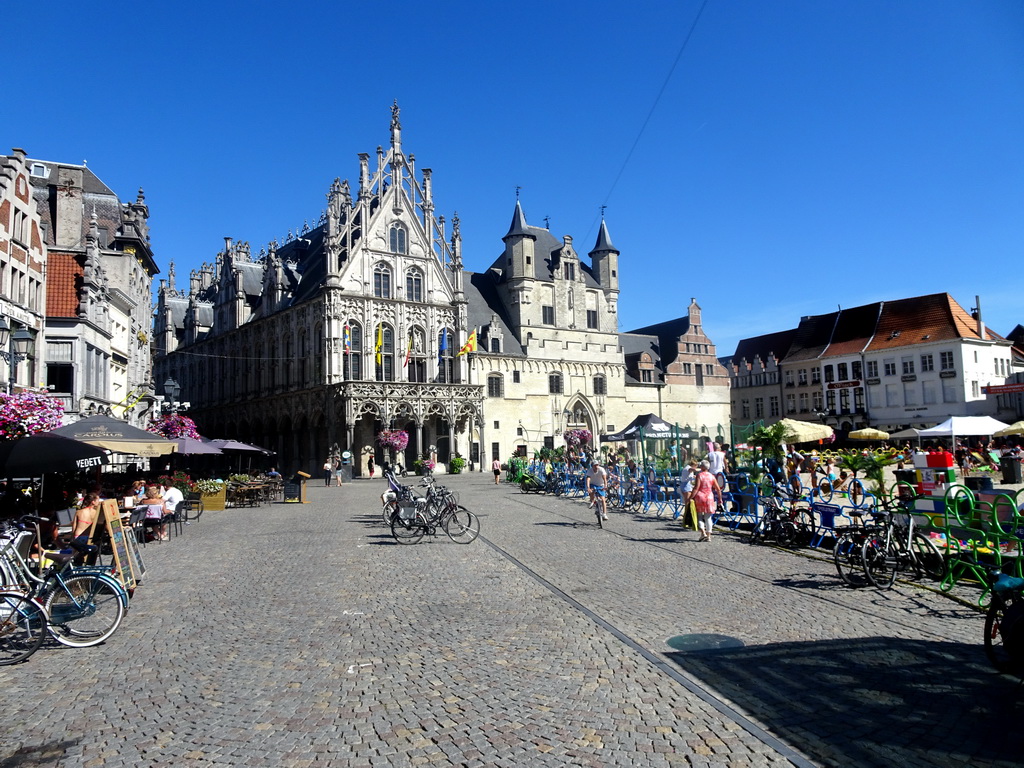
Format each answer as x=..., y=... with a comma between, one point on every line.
x=313, y=346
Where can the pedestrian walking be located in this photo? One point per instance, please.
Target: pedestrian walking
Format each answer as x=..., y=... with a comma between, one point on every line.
x=496, y=469
x=327, y=472
x=369, y=465
x=337, y=472
x=706, y=496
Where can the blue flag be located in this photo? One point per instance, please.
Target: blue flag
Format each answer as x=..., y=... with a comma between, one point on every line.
x=444, y=345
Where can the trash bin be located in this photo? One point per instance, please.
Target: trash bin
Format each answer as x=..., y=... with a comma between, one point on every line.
x=1010, y=465
x=908, y=476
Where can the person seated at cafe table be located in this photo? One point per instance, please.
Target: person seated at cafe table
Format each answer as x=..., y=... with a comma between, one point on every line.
x=172, y=498
x=155, y=502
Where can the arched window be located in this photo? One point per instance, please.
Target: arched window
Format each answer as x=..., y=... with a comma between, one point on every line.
x=600, y=385
x=414, y=285
x=384, y=352
x=398, y=239
x=354, y=351
x=382, y=281
x=555, y=384
x=495, y=385
x=445, y=364
x=416, y=355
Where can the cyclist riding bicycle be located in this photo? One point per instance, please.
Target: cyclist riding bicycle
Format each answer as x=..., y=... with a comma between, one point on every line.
x=597, y=482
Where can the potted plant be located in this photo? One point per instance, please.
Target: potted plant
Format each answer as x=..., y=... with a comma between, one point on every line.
x=423, y=466
x=456, y=464
x=212, y=493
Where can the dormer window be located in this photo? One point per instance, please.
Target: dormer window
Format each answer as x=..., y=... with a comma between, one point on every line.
x=398, y=240
x=39, y=170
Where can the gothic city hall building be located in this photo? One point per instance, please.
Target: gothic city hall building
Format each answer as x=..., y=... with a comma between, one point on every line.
x=370, y=321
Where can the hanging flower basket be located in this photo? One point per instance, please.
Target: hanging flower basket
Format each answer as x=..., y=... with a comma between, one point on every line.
x=173, y=426
x=577, y=437
x=393, y=440
x=28, y=414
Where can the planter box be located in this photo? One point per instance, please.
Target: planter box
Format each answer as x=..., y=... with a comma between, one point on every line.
x=214, y=501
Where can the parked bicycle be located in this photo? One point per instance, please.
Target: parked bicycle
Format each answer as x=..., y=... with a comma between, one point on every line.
x=84, y=605
x=893, y=545
x=792, y=526
x=418, y=516
x=23, y=627
x=1004, y=622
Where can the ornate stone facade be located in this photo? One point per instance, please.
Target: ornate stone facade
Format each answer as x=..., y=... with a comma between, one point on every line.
x=355, y=325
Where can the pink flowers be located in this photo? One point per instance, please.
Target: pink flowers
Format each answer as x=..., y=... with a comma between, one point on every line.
x=577, y=437
x=28, y=414
x=393, y=439
x=173, y=426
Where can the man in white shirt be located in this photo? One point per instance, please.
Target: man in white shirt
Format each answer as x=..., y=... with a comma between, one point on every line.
x=716, y=460
x=172, y=498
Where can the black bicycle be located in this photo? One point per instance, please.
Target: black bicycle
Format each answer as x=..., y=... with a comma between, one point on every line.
x=1004, y=622
x=893, y=545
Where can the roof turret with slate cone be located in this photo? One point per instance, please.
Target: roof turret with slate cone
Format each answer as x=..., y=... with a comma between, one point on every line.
x=520, y=247
x=605, y=258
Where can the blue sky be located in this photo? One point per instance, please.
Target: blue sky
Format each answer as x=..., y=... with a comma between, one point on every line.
x=802, y=155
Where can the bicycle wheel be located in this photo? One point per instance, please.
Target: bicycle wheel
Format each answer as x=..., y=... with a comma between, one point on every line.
x=22, y=627
x=462, y=526
x=846, y=557
x=84, y=610
x=408, y=531
x=597, y=511
x=1004, y=633
x=785, y=533
x=825, y=490
x=880, y=561
x=806, y=525
x=760, y=530
x=927, y=558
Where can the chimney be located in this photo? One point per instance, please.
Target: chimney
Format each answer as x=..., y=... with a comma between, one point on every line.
x=981, y=325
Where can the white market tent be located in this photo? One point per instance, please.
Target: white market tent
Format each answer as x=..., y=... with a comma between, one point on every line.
x=964, y=425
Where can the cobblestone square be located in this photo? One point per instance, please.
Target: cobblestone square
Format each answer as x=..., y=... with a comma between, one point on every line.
x=303, y=635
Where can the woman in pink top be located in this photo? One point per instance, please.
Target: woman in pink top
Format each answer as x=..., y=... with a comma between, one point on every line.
x=705, y=493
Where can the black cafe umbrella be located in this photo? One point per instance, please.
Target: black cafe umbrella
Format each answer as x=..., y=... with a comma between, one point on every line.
x=116, y=435
x=37, y=454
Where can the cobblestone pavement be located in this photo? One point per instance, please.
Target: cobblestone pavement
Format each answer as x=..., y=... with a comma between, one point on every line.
x=302, y=635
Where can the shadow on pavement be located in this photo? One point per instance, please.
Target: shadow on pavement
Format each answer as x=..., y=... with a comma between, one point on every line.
x=873, y=701
x=35, y=757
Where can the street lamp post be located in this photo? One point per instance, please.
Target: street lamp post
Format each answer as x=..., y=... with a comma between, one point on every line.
x=14, y=348
x=171, y=390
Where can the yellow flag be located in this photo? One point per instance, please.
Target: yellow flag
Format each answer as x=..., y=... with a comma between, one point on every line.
x=470, y=345
x=380, y=342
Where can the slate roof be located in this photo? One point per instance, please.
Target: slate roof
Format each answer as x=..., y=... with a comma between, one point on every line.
x=483, y=301
x=633, y=345
x=546, y=248
x=763, y=347
x=854, y=330
x=667, y=334
x=812, y=337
